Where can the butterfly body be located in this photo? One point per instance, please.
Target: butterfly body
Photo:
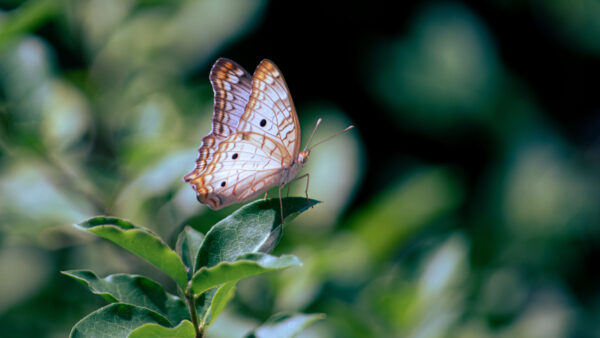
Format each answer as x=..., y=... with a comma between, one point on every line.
x=289, y=173
x=254, y=143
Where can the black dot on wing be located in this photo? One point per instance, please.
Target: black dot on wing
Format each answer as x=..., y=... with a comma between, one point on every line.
x=263, y=122
x=234, y=156
x=223, y=183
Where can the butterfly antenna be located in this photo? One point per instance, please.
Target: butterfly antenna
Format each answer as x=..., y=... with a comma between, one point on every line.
x=332, y=136
x=313, y=133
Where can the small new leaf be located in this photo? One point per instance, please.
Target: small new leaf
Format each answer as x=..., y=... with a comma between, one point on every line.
x=185, y=329
x=188, y=245
x=220, y=300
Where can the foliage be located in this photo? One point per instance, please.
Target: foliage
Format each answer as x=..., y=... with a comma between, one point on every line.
x=463, y=204
x=232, y=250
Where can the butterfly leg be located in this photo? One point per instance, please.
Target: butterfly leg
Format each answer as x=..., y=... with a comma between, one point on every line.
x=281, y=203
x=266, y=195
x=307, y=175
x=306, y=189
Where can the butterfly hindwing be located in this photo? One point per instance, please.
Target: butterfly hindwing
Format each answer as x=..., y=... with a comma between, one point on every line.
x=243, y=167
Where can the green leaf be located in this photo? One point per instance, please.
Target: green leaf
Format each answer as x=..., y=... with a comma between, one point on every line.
x=185, y=329
x=140, y=241
x=188, y=245
x=255, y=227
x=27, y=18
x=134, y=290
x=116, y=320
x=285, y=325
x=220, y=300
x=246, y=266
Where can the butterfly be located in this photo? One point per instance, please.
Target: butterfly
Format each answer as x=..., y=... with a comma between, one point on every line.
x=254, y=143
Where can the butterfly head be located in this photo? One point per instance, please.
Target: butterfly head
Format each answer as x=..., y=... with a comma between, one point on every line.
x=303, y=157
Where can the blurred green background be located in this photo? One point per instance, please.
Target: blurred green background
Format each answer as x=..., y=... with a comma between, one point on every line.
x=464, y=204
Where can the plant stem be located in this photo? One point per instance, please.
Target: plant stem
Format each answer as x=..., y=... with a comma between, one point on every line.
x=193, y=314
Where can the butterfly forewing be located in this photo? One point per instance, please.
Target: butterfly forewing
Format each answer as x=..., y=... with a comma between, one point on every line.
x=270, y=110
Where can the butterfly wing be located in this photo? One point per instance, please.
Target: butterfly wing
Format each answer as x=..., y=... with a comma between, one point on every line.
x=252, y=159
x=243, y=167
x=270, y=110
x=232, y=86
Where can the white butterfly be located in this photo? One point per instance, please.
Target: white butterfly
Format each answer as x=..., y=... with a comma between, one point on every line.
x=254, y=144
